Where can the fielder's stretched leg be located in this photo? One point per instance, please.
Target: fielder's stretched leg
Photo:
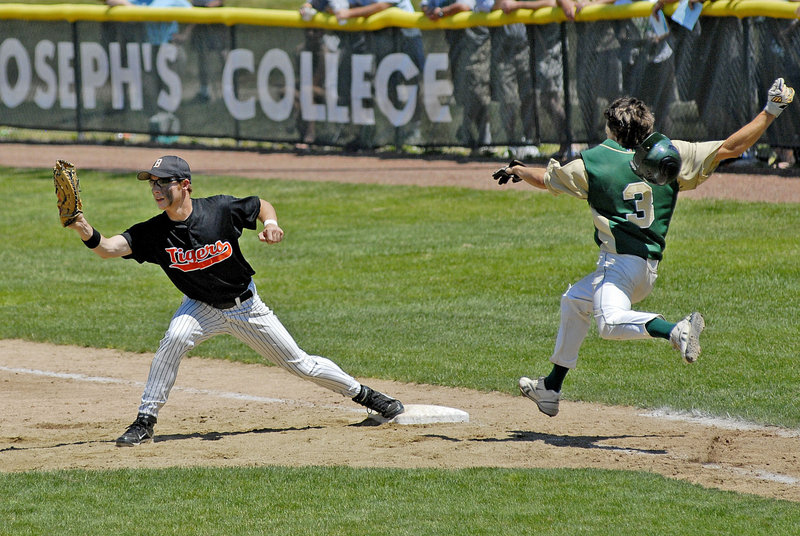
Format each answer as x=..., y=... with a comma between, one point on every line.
x=256, y=325
x=191, y=324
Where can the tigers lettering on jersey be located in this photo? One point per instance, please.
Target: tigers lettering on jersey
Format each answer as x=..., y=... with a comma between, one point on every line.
x=199, y=258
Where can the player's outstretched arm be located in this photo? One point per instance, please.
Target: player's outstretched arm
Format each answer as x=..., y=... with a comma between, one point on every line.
x=778, y=98
x=516, y=171
x=272, y=233
x=70, y=212
x=106, y=248
x=532, y=175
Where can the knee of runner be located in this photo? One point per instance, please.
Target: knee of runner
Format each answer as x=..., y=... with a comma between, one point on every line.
x=573, y=304
x=607, y=322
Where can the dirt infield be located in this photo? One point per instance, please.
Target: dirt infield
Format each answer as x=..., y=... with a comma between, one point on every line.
x=65, y=405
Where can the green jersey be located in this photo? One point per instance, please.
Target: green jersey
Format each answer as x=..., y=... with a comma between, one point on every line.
x=631, y=216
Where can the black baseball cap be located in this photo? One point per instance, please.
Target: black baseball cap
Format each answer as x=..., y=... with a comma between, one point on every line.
x=167, y=167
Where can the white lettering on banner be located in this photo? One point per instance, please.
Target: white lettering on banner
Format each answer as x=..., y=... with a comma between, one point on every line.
x=48, y=79
x=402, y=64
x=94, y=72
x=99, y=68
x=437, y=90
x=238, y=59
x=336, y=113
x=13, y=50
x=66, y=76
x=130, y=74
x=169, y=97
x=276, y=59
x=361, y=90
x=309, y=110
x=45, y=96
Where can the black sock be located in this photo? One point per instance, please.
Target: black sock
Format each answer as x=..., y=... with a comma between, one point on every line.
x=556, y=377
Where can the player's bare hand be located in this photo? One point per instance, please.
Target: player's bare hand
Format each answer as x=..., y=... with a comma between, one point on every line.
x=658, y=5
x=570, y=8
x=507, y=6
x=271, y=234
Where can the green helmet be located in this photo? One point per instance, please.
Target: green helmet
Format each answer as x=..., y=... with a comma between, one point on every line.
x=656, y=160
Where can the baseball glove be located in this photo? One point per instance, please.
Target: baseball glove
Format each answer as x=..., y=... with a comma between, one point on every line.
x=65, y=179
x=502, y=175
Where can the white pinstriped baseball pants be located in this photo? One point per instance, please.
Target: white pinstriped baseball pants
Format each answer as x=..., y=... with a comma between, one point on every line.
x=252, y=323
x=608, y=294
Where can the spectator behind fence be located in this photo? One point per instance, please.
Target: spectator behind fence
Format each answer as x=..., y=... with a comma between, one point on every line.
x=708, y=56
x=470, y=55
x=210, y=43
x=380, y=43
x=316, y=43
x=511, y=79
x=779, y=43
x=648, y=57
x=157, y=33
x=544, y=43
x=775, y=50
x=605, y=48
x=163, y=125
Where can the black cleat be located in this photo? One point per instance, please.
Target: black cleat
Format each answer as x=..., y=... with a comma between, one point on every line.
x=386, y=406
x=139, y=432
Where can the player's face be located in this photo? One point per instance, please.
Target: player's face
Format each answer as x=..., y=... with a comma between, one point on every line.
x=164, y=191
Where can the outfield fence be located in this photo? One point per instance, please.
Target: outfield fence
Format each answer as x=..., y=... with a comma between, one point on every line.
x=395, y=78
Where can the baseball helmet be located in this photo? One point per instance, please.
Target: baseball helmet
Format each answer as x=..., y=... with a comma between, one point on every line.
x=656, y=160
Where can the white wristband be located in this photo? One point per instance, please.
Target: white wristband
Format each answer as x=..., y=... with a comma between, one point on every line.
x=267, y=222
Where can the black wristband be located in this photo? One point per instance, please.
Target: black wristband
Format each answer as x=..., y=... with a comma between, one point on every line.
x=94, y=241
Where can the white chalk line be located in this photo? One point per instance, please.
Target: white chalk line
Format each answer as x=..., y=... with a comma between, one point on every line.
x=728, y=424
x=761, y=475
x=189, y=390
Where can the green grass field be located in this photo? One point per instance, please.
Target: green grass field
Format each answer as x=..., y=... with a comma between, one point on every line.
x=436, y=285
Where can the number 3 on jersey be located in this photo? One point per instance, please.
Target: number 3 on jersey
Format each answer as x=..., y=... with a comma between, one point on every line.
x=642, y=196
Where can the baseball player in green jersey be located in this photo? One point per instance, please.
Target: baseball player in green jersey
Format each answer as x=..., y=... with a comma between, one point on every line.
x=631, y=182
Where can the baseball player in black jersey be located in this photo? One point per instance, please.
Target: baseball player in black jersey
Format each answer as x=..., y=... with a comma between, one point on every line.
x=196, y=242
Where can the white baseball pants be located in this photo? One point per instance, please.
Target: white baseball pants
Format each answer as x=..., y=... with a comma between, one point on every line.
x=253, y=323
x=607, y=294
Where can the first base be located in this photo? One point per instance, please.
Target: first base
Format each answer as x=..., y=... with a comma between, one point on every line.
x=425, y=414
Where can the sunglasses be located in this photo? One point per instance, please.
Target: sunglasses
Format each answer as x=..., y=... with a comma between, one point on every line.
x=163, y=183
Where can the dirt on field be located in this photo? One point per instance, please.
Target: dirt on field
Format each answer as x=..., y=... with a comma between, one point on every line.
x=64, y=405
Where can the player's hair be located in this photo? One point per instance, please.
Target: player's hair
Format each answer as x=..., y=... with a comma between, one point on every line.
x=630, y=120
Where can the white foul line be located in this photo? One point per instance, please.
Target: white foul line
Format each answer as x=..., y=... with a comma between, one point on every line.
x=188, y=390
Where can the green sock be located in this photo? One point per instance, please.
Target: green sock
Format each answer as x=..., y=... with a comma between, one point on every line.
x=556, y=377
x=658, y=327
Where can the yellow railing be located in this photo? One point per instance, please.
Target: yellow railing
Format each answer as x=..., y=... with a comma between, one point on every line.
x=389, y=17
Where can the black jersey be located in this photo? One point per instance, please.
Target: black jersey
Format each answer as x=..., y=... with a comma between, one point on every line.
x=200, y=255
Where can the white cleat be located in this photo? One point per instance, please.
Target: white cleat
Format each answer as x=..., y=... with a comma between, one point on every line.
x=685, y=336
x=546, y=399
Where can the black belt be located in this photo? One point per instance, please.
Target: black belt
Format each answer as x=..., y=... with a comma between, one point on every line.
x=246, y=295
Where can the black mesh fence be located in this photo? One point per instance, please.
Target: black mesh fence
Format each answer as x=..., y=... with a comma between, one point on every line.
x=510, y=85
